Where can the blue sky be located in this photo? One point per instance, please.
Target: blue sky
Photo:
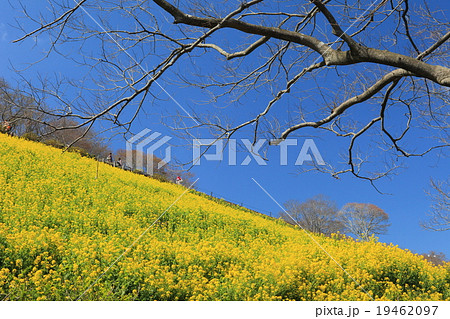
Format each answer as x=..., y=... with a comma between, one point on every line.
x=405, y=200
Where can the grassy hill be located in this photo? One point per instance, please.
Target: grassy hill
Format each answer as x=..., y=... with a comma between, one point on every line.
x=61, y=227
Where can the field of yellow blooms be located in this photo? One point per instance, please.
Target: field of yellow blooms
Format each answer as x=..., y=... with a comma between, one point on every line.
x=61, y=227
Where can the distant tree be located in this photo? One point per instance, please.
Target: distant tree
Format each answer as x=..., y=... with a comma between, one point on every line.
x=61, y=131
x=439, y=216
x=318, y=215
x=23, y=111
x=437, y=258
x=364, y=220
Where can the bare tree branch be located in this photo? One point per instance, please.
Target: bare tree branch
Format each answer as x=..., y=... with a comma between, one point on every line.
x=296, y=65
x=439, y=216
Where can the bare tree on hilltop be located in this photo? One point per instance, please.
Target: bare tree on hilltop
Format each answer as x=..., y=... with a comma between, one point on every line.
x=21, y=110
x=318, y=215
x=364, y=220
x=373, y=73
x=436, y=258
x=32, y=119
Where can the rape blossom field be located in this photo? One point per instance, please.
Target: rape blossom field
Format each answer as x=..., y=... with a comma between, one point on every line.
x=61, y=227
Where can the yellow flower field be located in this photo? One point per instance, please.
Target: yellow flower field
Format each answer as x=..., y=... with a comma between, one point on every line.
x=60, y=228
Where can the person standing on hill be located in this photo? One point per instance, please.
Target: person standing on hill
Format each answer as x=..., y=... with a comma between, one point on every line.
x=109, y=159
x=178, y=180
x=119, y=163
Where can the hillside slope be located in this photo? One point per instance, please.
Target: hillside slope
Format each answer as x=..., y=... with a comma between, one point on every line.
x=60, y=228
